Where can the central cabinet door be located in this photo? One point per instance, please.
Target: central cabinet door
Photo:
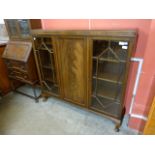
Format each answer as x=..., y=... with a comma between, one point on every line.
x=73, y=69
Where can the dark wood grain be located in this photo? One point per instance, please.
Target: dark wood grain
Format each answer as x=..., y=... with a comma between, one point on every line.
x=35, y=23
x=4, y=80
x=105, y=33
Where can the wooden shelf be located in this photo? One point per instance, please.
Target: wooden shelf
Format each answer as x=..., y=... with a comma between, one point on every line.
x=108, y=94
x=48, y=67
x=49, y=79
x=48, y=43
x=44, y=49
x=113, y=109
x=108, y=77
x=109, y=60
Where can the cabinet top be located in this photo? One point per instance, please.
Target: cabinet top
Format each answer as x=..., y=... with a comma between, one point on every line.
x=117, y=33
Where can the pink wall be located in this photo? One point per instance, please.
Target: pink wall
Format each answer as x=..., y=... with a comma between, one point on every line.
x=145, y=30
x=65, y=24
x=94, y=24
x=146, y=89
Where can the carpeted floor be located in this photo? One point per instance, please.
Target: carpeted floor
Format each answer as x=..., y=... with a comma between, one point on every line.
x=21, y=115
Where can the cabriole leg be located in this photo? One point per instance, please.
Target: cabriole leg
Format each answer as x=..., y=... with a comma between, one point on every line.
x=117, y=127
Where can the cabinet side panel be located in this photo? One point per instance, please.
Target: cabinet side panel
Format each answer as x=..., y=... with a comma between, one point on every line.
x=4, y=80
x=35, y=24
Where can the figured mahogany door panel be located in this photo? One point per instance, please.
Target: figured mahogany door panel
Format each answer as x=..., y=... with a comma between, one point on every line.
x=73, y=57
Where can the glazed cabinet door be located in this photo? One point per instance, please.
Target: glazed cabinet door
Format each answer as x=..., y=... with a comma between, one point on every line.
x=46, y=59
x=73, y=68
x=109, y=67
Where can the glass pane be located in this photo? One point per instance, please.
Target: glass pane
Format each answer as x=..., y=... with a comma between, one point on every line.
x=24, y=27
x=109, y=71
x=110, y=50
x=12, y=27
x=109, y=66
x=43, y=43
x=112, y=108
x=45, y=55
x=107, y=90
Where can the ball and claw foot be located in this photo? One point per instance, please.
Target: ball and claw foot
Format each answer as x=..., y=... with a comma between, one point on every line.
x=117, y=127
